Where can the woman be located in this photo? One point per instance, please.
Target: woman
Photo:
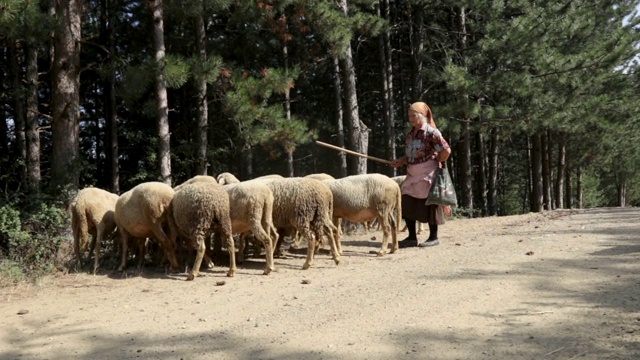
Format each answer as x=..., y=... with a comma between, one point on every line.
x=425, y=149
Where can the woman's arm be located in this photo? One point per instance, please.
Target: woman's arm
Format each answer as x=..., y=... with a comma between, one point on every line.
x=443, y=155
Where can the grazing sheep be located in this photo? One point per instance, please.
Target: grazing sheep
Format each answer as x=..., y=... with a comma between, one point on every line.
x=251, y=205
x=269, y=177
x=303, y=205
x=92, y=212
x=196, y=211
x=141, y=213
x=320, y=176
x=400, y=179
x=197, y=178
x=362, y=198
x=227, y=178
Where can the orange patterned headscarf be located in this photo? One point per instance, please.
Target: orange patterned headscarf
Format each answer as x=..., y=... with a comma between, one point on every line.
x=425, y=110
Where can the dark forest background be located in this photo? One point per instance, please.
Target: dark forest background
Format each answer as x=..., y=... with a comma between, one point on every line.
x=538, y=99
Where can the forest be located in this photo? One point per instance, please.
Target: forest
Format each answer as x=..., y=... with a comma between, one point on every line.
x=539, y=99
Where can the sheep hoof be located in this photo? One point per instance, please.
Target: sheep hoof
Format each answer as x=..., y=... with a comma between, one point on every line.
x=337, y=261
x=190, y=277
x=380, y=253
x=231, y=273
x=266, y=272
x=306, y=266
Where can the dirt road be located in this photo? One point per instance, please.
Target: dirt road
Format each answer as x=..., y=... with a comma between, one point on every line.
x=556, y=285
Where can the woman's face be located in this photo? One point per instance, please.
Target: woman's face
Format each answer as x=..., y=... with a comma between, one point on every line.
x=416, y=119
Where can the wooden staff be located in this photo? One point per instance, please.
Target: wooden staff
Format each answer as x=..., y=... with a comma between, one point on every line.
x=388, y=162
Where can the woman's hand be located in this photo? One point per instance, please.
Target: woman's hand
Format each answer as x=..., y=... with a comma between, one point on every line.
x=397, y=162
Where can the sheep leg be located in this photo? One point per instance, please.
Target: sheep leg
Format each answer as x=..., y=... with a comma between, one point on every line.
x=297, y=239
x=195, y=270
x=96, y=245
x=337, y=234
x=277, y=252
x=142, y=252
x=333, y=242
x=232, y=254
x=124, y=237
x=386, y=229
x=311, y=248
x=394, y=235
x=80, y=231
x=167, y=246
x=208, y=255
x=262, y=235
x=242, y=243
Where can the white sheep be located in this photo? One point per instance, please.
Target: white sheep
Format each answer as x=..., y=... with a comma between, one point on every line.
x=362, y=198
x=251, y=204
x=141, y=213
x=197, y=210
x=92, y=212
x=197, y=178
x=269, y=177
x=303, y=205
x=400, y=179
x=227, y=178
x=320, y=176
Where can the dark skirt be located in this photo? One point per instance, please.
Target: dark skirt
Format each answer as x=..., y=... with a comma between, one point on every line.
x=415, y=209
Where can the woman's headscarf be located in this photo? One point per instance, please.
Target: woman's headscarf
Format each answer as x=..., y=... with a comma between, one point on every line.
x=425, y=110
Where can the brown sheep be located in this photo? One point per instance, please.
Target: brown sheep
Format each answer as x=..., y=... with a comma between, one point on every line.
x=141, y=213
x=304, y=205
x=197, y=178
x=365, y=197
x=252, y=211
x=92, y=212
x=196, y=211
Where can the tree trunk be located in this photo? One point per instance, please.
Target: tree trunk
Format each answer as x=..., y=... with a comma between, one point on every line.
x=162, y=103
x=386, y=70
x=111, y=118
x=546, y=171
x=579, y=188
x=287, y=108
x=4, y=129
x=622, y=193
x=203, y=110
x=247, y=154
x=560, y=171
x=66, y=96
x=32, y=125
x=16, y=57
x=464, y=156
x=339, y=115
x=536, y=173
x=464, y=164
x=417, y=49
x=358, y=131
x=492, y=195
x=569, y=188
x=481, y=173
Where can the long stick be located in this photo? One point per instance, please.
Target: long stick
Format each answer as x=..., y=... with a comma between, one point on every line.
x=388, y=162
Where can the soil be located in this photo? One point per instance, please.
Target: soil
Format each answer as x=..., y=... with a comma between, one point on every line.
x=552, y=285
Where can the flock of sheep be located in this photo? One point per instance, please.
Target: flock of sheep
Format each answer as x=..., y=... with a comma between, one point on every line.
x=268, y=208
